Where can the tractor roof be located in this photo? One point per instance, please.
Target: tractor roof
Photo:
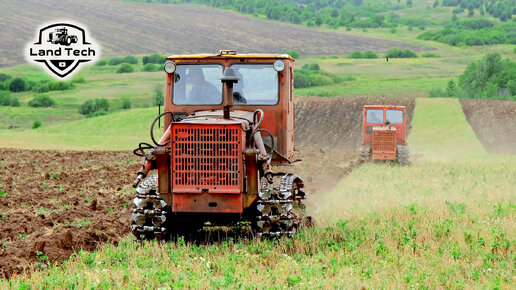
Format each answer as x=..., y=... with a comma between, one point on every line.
x=384, y=107
x=230, y=54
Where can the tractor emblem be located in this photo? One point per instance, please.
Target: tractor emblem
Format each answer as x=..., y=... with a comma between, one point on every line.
x=60, y=36
x=60, y=48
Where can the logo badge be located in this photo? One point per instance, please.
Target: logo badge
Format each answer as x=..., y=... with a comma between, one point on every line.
x=61, y=48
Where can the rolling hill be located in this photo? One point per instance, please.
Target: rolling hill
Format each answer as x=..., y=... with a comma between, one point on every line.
x=136, y=28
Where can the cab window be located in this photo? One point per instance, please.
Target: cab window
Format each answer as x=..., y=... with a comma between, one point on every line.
x=258, y=84
x=197, y=84
x=374, y=116
x=394, y=116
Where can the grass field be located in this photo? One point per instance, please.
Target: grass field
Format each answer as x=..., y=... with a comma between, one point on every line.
x=448, y=220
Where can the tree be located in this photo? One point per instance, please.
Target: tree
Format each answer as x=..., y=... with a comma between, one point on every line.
x=19, y=85
x=436, y=3
x=409, y=3
x=126, y=103
x=471, y=11
x=451, y=89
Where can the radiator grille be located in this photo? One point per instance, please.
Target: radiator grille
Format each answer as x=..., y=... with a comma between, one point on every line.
x=206, y=158
x=384, y=140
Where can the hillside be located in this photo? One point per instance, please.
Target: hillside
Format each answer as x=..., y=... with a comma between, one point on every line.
x=136, y=28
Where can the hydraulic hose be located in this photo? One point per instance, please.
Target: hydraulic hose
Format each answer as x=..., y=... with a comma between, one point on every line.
x=154, y=122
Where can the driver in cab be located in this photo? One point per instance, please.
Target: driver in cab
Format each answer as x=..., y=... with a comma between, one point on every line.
x=202, y=92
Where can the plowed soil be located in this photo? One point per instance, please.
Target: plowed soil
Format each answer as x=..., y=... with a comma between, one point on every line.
x=494, y=122
x=55, y=203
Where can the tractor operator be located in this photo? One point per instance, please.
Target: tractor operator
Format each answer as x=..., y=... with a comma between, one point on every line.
x=203, y=92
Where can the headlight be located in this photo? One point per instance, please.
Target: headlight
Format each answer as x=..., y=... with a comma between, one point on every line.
x=169, y=67
x=279, y=65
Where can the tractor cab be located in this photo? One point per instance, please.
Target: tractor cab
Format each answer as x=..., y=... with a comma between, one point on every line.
x=384, y=133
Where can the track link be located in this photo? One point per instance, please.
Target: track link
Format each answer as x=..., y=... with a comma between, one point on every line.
x=277, y=204
x=150, y=211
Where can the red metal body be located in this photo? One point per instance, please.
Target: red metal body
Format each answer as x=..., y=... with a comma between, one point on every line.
x=382, y=137
x=211, y=167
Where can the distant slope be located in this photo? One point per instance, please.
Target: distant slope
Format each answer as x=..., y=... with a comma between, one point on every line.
x=135, y=28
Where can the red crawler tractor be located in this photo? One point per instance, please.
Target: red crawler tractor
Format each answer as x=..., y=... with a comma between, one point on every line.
x=384, y=133
x=229, y=118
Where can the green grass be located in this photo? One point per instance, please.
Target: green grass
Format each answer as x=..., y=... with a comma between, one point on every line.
x=440, y=131
x=117, y=131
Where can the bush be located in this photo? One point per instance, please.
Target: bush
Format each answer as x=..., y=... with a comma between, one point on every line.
x=355, y=54
x=92, y=106
x=125, y=68
x=293, y=53
x=42, y=88
x=126, y=104
x=5, y=98
x=150, y=67
x=429, y=55
x=60, y=86
x=130, y=59
x=436, y=93
x=369, y=54
x=101, y=62
x=115, y=61
x=321, y=80
x=311, y=66
x=97, y=113
x=398, y=53
x=153, y=58
x=5, y=77
x=302, y=80
x=15, y=102
x=19, y=85
x=42, y=101
x=36, y=124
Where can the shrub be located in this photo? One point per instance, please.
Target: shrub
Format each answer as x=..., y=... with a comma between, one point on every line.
x=101, y=62
x=42, y=101
x=126, y=104
x=97, y=113
x=158, y=96
x=398, y=53
x=153, y=58
x=19, y=85
x=5, y=98
x=355, y=54
x=150, y=67
x=321, y=80
x=393, y=30
x=60, y=86
x=311, y=66
x=125, y=68
x=369, y=54
x=301, y=80
x=436, y=93
x=293, y=53
x=115, y=61
x=5, y=77
x=91, y=106
x=429, y=55
x=42, y=88
x=36, y=124
x=15, y=102
x=451, y=89
x=130, y=59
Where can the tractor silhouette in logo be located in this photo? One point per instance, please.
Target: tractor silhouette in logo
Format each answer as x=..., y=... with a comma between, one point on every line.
x=60, y=36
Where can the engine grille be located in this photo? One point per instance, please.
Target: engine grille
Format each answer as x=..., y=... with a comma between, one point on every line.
x=206, y=158
x=384, y=141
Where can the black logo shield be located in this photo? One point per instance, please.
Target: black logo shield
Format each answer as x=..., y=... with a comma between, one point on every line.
x=61, y=48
